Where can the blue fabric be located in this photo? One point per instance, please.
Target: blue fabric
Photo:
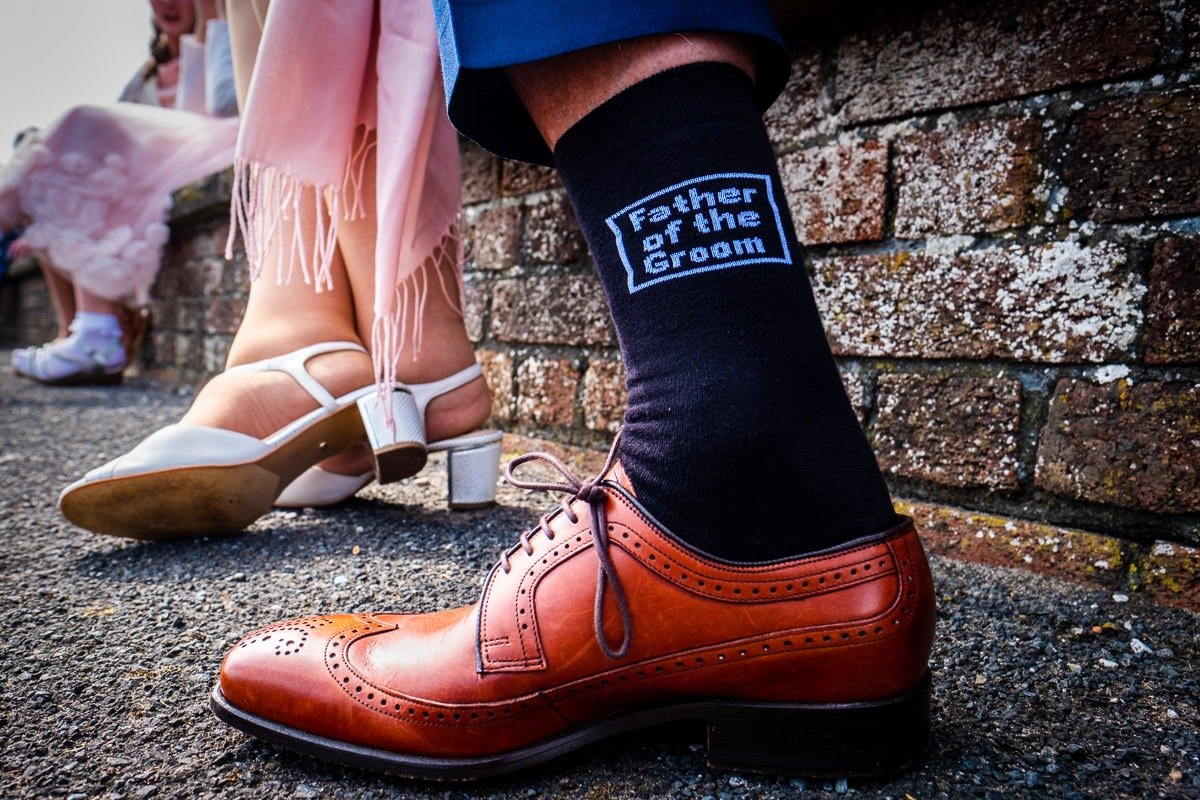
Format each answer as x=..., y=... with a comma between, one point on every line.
x=5, y=260
x=480, y=37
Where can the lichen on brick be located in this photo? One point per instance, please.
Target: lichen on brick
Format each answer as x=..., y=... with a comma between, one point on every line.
x=552, y=236
x=1136, y=157
x=950, y=430
x=979, y=177
x=796, y=112
x=498, y=372
x=837, y=192
x=917, y=57
x=1173, y=305
x=1063, y=301
x=544, y=309
x=604, y=395
x=547, y=391
x=1135, y=446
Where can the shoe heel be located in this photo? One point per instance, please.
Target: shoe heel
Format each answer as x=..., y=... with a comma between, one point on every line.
x=399, y=450
x=822, y=741
x=471, y=475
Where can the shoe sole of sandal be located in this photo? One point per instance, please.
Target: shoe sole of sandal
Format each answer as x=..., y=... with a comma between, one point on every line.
x=815, y=740
x=78, y=379
x=185, y=502
x=83, y=379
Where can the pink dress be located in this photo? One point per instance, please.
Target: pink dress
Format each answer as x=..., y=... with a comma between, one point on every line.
x=93, y=189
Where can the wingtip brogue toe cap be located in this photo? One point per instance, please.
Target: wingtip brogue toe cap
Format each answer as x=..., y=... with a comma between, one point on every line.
x=283, y=672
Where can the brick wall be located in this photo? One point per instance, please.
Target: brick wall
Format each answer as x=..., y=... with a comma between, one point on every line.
x=1001, y=206
x=1002, y=211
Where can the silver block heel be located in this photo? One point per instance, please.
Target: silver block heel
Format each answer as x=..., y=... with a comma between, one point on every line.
x=399, y=449
x=472, y=466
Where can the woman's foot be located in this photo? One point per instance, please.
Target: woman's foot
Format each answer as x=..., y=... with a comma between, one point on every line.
x=92, y=353
x=259, y=404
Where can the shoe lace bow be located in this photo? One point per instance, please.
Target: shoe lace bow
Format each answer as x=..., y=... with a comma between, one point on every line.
x=590, y=492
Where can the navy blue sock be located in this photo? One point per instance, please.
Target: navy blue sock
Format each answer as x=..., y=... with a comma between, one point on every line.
x=738, y=436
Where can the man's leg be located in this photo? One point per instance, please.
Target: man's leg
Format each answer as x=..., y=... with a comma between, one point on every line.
x=613, y=613
x=737, y=417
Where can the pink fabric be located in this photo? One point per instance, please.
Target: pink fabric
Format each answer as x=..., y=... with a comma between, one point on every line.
x=94, y=188
x=327, y=71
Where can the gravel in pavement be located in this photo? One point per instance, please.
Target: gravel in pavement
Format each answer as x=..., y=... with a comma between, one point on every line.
x=109, y=648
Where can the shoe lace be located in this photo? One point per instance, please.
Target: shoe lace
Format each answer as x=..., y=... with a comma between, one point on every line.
x=590, y=492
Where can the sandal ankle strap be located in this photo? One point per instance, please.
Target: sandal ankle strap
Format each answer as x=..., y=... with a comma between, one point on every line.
x=424, y=393
x=295, y=364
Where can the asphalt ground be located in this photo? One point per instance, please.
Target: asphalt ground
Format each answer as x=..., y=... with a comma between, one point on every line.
x=109, y=648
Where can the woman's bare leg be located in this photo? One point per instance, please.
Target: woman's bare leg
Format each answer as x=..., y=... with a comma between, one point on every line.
x=62, y=295
x=86, y=301
x=445, y=348
x=281, y=318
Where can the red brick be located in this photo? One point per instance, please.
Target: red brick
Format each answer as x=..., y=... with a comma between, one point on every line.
x=475, y=297
x=159, y=348
x=954, y=431
x=552, y=236
x=224, y=315
x=604, y=395
x=796, y=113
x=166, y=282
x=518, y=178
x=1136, y=158
x=1173, y=306
x=235, y=278
x=978, y=177
x=216, y=351
x=856, y=391
x=480, y=173
x=189, y=314
x=492, y=237
x=204, y=242
x=1056, y=303
x=566, y=309
x=1003, y=541
x=1132, y=446
x=837, y=192
x=958, y=53
x=547, y=391
x=498, y=372
x=189, y=353
x=1166, y=572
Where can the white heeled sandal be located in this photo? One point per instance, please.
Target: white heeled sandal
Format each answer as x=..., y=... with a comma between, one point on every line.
x=472, y=460
x=196, y=480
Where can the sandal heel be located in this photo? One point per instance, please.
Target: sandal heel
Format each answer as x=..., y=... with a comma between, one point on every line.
x=399, y=450
x=822, y=741
x=471, y=475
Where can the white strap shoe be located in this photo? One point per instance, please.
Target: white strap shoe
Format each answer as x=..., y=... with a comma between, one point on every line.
x=400, y=451
x=194, y=480
x=71, y=363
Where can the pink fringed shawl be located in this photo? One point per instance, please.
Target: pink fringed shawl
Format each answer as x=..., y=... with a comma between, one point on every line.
x=326, y=71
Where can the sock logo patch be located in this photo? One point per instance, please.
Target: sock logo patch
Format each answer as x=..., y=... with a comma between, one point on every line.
x=700, y=225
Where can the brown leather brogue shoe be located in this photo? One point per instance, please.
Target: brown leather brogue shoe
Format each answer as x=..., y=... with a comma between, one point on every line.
x=600, y=621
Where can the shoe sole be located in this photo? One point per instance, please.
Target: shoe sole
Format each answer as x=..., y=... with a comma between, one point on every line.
x=813, y=740
x=186, y=502
x=78, y=379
